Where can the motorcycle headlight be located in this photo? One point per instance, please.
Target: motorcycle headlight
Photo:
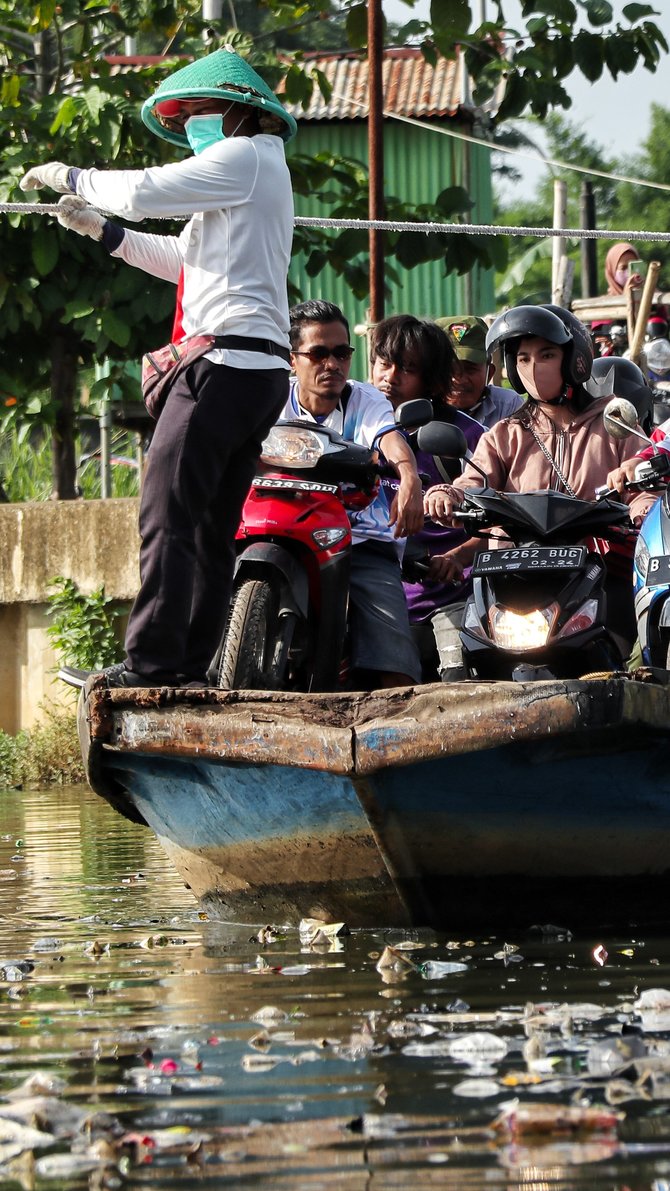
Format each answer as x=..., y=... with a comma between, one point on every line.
x=519, y=631
x=641, y=557
x=292, y=446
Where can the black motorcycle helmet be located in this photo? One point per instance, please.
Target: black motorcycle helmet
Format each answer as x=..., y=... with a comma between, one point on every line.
x=657, y=328
x=554, y=324
x=621, y=377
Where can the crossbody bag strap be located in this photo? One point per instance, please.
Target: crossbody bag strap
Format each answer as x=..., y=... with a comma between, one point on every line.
x=547, y=454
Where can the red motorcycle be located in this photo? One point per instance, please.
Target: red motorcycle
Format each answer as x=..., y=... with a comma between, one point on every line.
x=287, y=623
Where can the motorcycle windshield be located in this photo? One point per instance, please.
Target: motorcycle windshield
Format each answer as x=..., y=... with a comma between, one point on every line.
x=549, y=514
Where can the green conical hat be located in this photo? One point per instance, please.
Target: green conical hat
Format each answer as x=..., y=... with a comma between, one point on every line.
x=221, y=75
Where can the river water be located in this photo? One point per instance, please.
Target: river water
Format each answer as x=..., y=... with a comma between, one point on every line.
x=150, y=1047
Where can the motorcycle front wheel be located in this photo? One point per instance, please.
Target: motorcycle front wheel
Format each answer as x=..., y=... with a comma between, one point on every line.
x=255, y=650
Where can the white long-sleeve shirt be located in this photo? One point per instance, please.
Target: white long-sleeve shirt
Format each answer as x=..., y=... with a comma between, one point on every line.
x=236, y=247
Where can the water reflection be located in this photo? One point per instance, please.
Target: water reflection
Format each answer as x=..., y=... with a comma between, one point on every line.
x=380, y=1059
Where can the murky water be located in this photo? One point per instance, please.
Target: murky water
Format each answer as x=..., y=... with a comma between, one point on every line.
x=150, y=1047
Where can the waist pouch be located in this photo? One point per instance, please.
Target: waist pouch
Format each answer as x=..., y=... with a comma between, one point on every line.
x=161, y=368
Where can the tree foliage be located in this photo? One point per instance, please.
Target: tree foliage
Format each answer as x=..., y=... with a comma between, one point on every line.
x=618, y=205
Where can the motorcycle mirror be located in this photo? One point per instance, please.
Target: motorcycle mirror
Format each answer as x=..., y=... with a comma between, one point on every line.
x=441, y=438
x=414, y=413
x=620, y=419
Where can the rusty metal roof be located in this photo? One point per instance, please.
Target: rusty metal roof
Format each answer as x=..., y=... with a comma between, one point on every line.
x=411, y=86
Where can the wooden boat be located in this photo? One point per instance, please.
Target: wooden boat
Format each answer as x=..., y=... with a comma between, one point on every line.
x=477, y=803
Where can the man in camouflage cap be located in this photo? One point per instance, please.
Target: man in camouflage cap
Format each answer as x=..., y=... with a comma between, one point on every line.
x=230, y=265
x=470, y=389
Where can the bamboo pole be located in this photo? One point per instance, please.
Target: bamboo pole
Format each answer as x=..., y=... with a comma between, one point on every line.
x=630, y=314
x=643, y=310
x=559, y=243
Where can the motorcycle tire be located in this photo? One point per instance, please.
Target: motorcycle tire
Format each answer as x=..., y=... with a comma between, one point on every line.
x=254, y=654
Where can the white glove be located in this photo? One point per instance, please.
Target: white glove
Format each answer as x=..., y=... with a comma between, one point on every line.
x=75, y=214
x=53, y=174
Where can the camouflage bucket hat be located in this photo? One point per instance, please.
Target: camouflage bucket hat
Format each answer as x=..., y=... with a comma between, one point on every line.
x=221, y=75
x=467, y=335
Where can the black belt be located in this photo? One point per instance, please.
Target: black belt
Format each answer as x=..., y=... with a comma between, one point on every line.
x=246, y=343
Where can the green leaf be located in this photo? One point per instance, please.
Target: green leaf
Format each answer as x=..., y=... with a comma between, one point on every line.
x=45, y=250
x=589, y=54
x=450, y=20
x=453, y=200
x=298, y=86
x=497, y=250
x=78, y=308
x=560, y=10
x=65, y=114
x=10, y=91
x=516, y=97
x=635, y=12
x=429, y=52
x=599, y=12
x=357, y=25
x=620, y=56
x=516, y=275
x=94, y=99
x=115, y=329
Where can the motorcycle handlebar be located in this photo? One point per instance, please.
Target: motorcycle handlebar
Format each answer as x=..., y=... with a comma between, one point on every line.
x=655, y=475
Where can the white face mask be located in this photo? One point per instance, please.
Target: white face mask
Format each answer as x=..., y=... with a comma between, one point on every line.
x=207, y=129
x=203, y=131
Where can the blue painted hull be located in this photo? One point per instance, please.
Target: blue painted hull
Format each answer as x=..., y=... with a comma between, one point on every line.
x=512, y=817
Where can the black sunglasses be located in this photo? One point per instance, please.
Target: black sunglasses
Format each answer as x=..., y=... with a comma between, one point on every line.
x=320, y=352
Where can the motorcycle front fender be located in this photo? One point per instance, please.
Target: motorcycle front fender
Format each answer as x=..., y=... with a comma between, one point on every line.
x=263, y=556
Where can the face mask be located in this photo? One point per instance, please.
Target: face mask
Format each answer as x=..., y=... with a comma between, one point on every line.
x=621, y=276
x=203, y=131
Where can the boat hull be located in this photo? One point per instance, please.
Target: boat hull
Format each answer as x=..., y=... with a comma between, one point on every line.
x=488, y=804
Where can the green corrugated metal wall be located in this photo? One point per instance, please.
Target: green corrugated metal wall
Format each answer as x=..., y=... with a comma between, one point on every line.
x=418, y=165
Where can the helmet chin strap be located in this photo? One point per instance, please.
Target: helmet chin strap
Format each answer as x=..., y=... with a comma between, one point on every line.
x=564, y=396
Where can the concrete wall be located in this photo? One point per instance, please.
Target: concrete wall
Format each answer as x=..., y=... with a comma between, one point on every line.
x=92, y=542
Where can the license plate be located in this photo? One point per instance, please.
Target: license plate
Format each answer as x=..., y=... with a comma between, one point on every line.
x=658, y=570
x=531, y=558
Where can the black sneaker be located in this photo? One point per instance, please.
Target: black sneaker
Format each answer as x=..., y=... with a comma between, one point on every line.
x=121, y=676
x=117, y=676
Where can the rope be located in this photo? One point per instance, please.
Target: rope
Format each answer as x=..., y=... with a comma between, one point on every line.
x=484, y=229
x=386, y=225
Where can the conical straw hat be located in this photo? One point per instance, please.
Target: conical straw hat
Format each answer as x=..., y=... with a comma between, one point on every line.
x=221, y=75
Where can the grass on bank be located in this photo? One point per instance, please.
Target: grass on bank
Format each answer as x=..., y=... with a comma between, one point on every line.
x=26, y=466
x=83, y=631
x=47, y=754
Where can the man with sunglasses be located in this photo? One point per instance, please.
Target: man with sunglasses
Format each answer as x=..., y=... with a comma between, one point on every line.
x=230, y=265
x=383, y=653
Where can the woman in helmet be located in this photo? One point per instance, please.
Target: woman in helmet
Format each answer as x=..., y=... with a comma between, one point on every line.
x=230, y=264
x=557, y=440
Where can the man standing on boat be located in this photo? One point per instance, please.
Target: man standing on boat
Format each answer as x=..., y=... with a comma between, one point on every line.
x=230, y=263
x=383, y=652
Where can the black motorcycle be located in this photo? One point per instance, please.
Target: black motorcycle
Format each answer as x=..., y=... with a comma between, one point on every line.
x=544, y=603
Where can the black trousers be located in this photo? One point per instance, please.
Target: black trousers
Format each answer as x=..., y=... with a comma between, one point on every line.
x=199, y=469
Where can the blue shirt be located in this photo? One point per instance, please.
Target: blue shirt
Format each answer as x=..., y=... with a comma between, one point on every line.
x=367, y=416
x=496, y=403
